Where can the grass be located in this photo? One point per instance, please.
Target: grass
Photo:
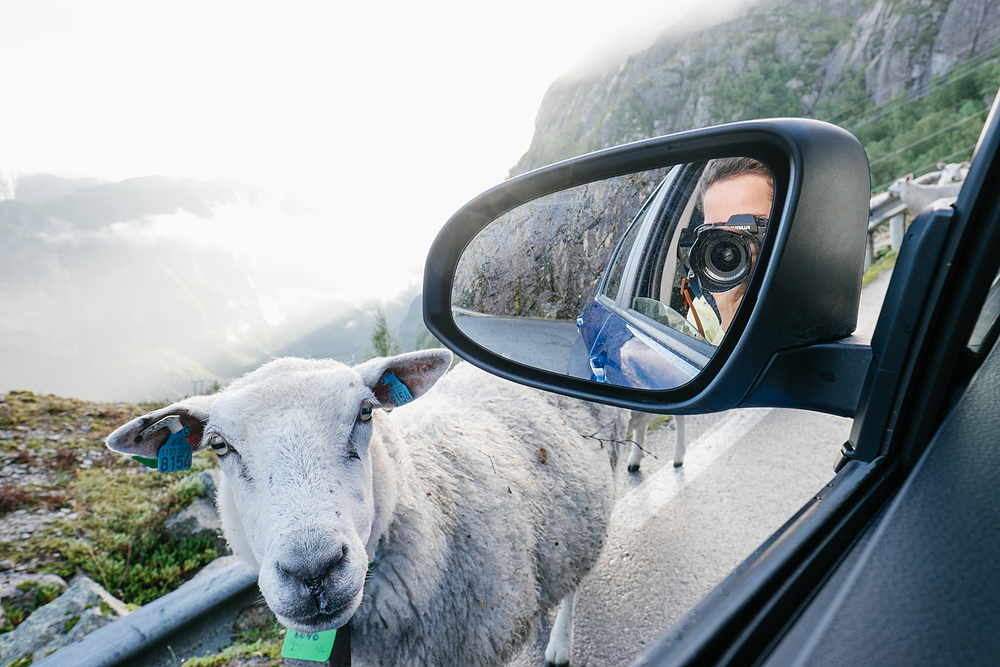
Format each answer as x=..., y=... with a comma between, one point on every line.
x=885, y=262
x=118, y=506
x=270, y=649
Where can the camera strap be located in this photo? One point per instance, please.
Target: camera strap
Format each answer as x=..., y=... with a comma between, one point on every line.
x=686, y=292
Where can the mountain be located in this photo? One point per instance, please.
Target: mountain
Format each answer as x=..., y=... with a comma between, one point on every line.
x=109, y=292
x=838, y=60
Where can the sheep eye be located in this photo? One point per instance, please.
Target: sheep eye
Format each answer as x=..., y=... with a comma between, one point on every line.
x=365, y=414
x=219, y=446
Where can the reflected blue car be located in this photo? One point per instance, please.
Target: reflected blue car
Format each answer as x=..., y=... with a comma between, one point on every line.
x=632, y=333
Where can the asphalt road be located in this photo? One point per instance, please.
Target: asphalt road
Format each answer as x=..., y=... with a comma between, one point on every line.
x=551, y=340
x=677, y=532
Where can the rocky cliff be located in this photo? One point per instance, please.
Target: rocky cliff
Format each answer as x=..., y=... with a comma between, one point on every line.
x=545, y=258
x=825, y=59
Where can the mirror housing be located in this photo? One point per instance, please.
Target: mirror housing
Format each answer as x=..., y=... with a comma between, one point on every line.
x=806, y=292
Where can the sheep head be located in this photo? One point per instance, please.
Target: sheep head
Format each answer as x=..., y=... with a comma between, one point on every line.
x=298, y=500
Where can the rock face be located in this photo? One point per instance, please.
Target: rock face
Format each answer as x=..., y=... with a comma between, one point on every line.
x=200, y=518
x=544, y=259
x=83, y=608
x=784, y=57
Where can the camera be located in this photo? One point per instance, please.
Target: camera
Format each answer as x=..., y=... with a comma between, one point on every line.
x=723, y=252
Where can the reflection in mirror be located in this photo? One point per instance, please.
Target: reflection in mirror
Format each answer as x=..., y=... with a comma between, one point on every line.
x=632, y=281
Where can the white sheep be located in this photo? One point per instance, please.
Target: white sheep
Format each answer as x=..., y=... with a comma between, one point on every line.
x=442, y=531
x=917, y=197
x=953, y=172
x=639, y=425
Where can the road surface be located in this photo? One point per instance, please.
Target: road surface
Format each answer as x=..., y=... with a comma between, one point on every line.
x=676, y=533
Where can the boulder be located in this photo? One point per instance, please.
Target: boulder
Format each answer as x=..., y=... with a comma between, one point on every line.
x=200, y=519
x=83, y=608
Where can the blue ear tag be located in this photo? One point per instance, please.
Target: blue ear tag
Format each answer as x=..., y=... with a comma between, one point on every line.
x=398, y=393
x=175, y=454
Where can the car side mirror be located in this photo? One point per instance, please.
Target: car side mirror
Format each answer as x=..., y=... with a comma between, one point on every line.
x=680, y=274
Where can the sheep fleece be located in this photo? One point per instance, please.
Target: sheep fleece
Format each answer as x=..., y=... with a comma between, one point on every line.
x=484, y=537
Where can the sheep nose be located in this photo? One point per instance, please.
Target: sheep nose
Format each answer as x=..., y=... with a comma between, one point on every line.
x=311, y=569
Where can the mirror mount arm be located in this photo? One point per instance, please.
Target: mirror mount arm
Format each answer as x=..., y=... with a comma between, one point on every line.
x=827, y=377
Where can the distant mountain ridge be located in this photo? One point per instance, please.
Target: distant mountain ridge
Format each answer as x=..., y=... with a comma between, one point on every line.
x=97, y=308
x=816, y=58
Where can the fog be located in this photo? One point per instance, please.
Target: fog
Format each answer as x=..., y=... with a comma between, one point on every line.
x=189, y=188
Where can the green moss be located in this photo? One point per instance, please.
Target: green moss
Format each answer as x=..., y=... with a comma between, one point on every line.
x=884, y=263
x=271, y=632
x=71, y=623
x=239, y=652
x=658, y=421
x=23, y=661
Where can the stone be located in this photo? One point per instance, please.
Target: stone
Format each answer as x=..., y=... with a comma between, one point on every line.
x=207, y=482
x=199, y=519
x=83, y=608
x=16, y=586
x=255, y=617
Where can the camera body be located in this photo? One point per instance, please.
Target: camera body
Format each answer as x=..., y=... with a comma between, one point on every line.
x=723, y=254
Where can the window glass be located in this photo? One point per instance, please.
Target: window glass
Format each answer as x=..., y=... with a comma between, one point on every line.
x=985, y=331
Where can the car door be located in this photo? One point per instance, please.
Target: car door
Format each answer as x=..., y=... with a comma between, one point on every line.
x=903, y=565
x=633, y=332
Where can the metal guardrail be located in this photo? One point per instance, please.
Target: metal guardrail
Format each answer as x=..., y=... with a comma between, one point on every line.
x=888, y=207
x=140, y=637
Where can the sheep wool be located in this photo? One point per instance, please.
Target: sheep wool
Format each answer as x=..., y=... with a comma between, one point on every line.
x=441, y=529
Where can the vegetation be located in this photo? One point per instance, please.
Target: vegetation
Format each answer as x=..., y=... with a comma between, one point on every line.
x=383, y=342
x=237, y=654
x=886, y=260
x=774, y=62
x=106, y=512
x=910, y=134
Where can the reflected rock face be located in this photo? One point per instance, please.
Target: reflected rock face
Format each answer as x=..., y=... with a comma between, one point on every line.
x=544, y=258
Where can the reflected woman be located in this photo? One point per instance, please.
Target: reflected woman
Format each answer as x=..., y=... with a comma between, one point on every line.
x=728, y=187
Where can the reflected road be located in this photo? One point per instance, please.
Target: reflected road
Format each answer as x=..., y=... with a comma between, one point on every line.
x=551, y=341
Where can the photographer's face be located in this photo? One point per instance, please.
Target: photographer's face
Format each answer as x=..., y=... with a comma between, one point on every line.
x=746, y=193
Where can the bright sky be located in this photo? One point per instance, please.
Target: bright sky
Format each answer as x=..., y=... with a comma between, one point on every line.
x=378, y=119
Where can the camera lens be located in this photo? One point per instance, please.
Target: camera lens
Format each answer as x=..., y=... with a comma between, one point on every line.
x=726, y=257
x=722, y=258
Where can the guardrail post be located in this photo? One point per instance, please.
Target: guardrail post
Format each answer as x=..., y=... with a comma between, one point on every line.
x=869, y=252
x=895, y=231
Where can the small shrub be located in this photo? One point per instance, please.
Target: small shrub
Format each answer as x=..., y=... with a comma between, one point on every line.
x=65, y=459
x=14, y=497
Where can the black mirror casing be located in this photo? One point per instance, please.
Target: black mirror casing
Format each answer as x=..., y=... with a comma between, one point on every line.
x=807, y=295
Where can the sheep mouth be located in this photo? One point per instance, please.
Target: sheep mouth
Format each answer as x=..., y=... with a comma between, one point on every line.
x=319, y=621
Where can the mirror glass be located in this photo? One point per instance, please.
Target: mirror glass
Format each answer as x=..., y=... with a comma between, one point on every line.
x=631, y=281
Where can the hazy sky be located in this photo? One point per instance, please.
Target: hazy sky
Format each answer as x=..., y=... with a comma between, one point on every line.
x=378, y=120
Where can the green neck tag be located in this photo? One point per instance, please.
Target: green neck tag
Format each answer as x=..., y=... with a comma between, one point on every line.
x=316, y=646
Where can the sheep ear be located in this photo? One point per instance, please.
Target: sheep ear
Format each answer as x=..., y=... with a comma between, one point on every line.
x=417, y=371
x=909, y=177
x=941, y=165
x=128, y=439
x=965, y=165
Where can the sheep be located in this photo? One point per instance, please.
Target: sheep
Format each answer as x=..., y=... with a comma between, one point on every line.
x=442, y=531
x=639, y=425
x=917, y=197
x=953, y=172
